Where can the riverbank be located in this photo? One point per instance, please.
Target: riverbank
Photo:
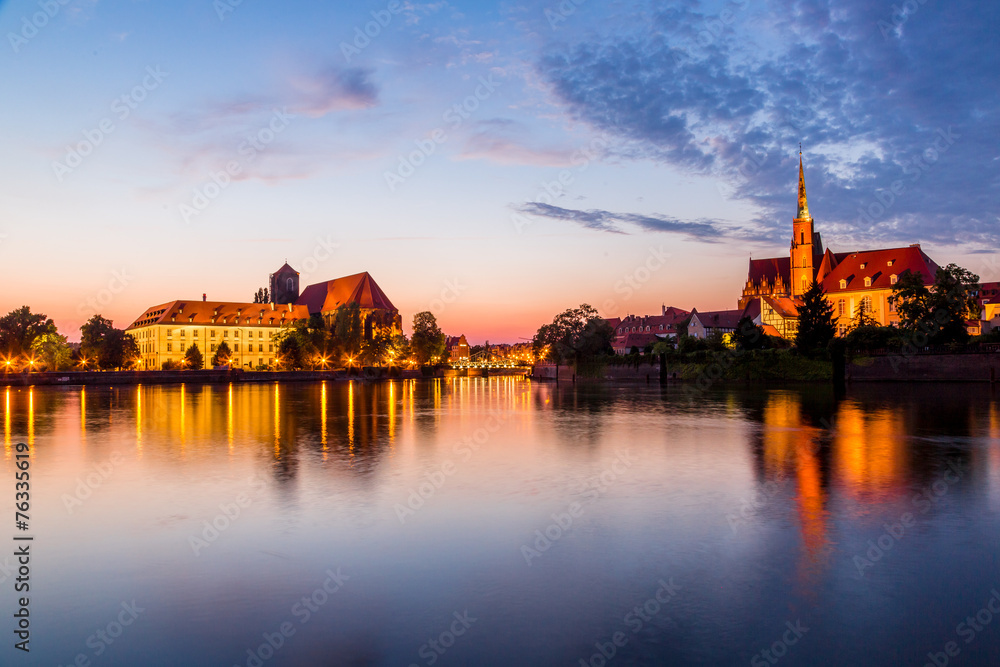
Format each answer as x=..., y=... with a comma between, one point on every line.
x=88, y=378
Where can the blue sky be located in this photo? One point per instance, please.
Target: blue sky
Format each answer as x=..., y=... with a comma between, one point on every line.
x=590, y=142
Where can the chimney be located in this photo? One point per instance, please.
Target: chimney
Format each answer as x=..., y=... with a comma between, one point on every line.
x=204, y=297
x=663, y=309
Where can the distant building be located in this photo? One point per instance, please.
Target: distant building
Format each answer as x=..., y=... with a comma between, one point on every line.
x=849, y=279
x=704, y=325
x=458, y=348
x=640, y=331
x=165, y=331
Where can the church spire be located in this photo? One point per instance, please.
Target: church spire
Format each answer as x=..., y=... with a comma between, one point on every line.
x=803, y=213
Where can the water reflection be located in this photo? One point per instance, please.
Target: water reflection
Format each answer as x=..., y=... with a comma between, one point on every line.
x=826, y=473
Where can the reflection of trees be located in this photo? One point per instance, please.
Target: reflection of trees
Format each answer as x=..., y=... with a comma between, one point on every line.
x=29, y=412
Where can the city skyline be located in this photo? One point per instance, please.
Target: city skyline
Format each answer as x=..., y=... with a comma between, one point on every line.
x=586, y=142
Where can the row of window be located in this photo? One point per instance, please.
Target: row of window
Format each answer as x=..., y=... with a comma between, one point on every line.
x=212, y=347
x=633, y=329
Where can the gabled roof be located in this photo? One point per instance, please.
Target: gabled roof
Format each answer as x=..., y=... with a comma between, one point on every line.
x=639, y=340
x=718, y=319
x=360, y=288
x=828, y=264
x=220, y=313
x=752, y=310
x=783, y=305
x=880, y=266
x=770, y=269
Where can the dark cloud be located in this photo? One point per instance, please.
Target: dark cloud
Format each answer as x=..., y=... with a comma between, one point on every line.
x=878, y=101
x=704, y=231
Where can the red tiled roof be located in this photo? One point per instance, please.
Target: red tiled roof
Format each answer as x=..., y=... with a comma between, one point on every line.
x=770, y=330
x=220, y=313
x=639, y=340
x=330, y=295
x=752, y=310
x=770, y=269
x=879, y=265
x=785, y=306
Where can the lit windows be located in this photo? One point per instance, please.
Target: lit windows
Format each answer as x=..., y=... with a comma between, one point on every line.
x=841, y=308
x=893, y=278
x=843, y=284
x=868, y=281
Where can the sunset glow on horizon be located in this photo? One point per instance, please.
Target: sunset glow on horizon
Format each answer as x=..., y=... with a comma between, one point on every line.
x=492, y=163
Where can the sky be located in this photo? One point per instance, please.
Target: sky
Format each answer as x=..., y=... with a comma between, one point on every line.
x=493, y=162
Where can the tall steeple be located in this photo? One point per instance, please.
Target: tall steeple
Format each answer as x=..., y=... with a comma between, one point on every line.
x=806, y=249
x=803, y=204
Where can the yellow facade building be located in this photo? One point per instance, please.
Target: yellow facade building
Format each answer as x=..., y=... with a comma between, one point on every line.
x=850, y=280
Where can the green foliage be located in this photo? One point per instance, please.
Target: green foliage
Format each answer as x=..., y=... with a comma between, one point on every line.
x=872, y=337
x=750, y=336
x=193, y=359
x=347, y=330
x=19, y=328
x=688, y=344
x=940, y=311
x=427, y=342
x=111, y=348
x=576, y=334
x=289, y=353
x=170, y=365
x=52, y=350
x=312, y=342
x=816, y=326
x=862, y=318
x=222, y=355
x=262, y=296
x=375, y=352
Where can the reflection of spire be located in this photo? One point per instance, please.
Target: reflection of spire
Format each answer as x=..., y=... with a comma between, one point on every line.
x=803, y=213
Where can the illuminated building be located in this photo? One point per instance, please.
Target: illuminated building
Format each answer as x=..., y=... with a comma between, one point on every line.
x=849, y=279
x=165, y=331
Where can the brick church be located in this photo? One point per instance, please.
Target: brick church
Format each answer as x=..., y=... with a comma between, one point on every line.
x=849, y=279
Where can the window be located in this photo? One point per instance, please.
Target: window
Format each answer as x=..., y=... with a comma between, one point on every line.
x=802, y=238
x=843, y=284
x=212, y=347
x=841, y=308
x=868, y=281
x=260, y=334
x=225, y=333
x=866, y=303
x=290, y=283
x=892, y=306
x=893, y=278
x=236, y=347
x=213, y=333
x=170, y=347
x=864, y=264
x=195, y=333
x=260, y=347
x=270, y=348
x=841, y=330
x=182, y=333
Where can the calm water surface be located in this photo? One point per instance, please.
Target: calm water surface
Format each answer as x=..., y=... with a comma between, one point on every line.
x=505, y=522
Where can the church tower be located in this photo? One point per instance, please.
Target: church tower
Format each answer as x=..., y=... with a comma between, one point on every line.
x=284, y=285
x=806, y=245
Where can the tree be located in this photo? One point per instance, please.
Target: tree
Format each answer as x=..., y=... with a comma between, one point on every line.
x=940, y=311
x=262, y=296
x=427, y=342
x=375, y=351
x=289, y=353
x=193, y=359
x=93, y=334
x=399, y=348
x=348, y=334
x=222, y=355
x=19, y=328
x=750, y=336
x=862, y=317
x=53, y=350
x=816, y=325
x=574, y=335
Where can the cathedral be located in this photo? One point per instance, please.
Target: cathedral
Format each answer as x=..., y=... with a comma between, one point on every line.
x=851, y=280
